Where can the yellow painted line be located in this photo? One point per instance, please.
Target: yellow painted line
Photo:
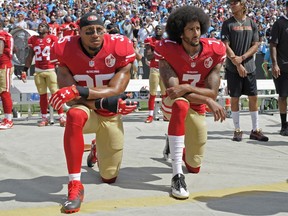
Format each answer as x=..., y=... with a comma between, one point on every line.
x=140, y=202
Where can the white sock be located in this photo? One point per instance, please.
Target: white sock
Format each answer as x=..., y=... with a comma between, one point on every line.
x=176, y=144
x=8, y=116
x=151, y=112
x=254, y=118
x=236, y=119
x=74, y=176
x=44, y=115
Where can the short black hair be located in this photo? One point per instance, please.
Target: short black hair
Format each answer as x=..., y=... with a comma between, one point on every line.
x=179, y=18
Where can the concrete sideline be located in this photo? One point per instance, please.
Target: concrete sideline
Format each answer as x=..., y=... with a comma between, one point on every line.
x=236, y=178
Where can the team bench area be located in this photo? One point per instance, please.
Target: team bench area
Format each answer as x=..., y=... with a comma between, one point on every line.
x=21, y=92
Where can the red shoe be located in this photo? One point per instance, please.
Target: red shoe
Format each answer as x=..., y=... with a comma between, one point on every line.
x=92, y=157
x=44, y=122
x=6, y=124
x=149, y=119
x=75, y=197
x=189, y=168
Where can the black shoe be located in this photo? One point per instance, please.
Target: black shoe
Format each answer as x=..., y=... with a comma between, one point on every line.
x=258, y=135
x=166, y=150
x=284, y=131
x=237, y=135
x=75, y=197
x=179, y=188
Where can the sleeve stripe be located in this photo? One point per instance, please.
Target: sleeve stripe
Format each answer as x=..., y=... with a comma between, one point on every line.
x=129, y=56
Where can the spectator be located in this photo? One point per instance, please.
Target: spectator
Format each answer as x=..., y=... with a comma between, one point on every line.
x=128, y=28
x=279, y=55
x=21, y=23
x=34, y=22
x=240, y=35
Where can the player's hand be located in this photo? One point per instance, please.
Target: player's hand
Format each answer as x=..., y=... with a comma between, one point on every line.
x=217, y=110
x=177, y=91
x=24, y=76
x=116, y=104
x=62, y=96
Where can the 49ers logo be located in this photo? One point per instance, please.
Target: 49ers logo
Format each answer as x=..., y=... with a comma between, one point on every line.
x=110, y=60
x=208, y=62
x=92, y=18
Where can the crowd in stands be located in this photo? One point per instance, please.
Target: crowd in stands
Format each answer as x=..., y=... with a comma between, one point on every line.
x=135, y=19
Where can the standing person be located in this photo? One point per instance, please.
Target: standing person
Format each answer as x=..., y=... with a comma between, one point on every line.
x=6, y=71
x=154, y=76
x=93, y=79
x=45, y=74
x=54, y=27
x=279, y=55
x=240, y=35
x=190, y=69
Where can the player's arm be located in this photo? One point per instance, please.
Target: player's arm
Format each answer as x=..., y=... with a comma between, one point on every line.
x=116, y=85
x=28, y=62
x=236, y=60
x=1, y=47
x=167, y=74
x=175, y=90
x=29, y=59
x=230, y=53
x=212, y=83
x=149, y=52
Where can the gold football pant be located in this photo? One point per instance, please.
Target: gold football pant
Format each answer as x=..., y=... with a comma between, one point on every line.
x=109, y=141
x=154, y=81
x=44, y=80
x=195, y=132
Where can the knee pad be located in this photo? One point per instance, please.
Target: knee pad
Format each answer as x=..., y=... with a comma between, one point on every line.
x=188, y=167
x=76, y=116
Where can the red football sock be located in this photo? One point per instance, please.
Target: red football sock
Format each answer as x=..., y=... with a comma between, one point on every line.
x=177, y=121
x=74, y=140
x=151, y=102
x=43, y=104
x=6, y=102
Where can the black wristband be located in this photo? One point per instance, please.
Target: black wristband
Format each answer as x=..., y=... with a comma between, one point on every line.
x=25, y=69
x=83, y=91
x=98, y=103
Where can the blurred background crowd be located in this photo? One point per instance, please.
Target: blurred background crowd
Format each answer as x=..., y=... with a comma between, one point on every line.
x=135, y=19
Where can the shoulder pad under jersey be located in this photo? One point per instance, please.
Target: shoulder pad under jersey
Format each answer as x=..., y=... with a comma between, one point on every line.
x=123, y=46
x=218, y=47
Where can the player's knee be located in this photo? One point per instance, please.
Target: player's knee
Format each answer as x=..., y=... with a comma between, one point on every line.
x=180, y=105
x=76, y=116
x=110, y=175
x=191, y=169
x=109, y=181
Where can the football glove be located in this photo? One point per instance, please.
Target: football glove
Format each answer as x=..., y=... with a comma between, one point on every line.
x=63, y=96
x=116, y=104
x=24, y=76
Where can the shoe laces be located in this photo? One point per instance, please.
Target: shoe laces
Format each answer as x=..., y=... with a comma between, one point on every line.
x=180, y=183
x=74, y=189
x=258, y=131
